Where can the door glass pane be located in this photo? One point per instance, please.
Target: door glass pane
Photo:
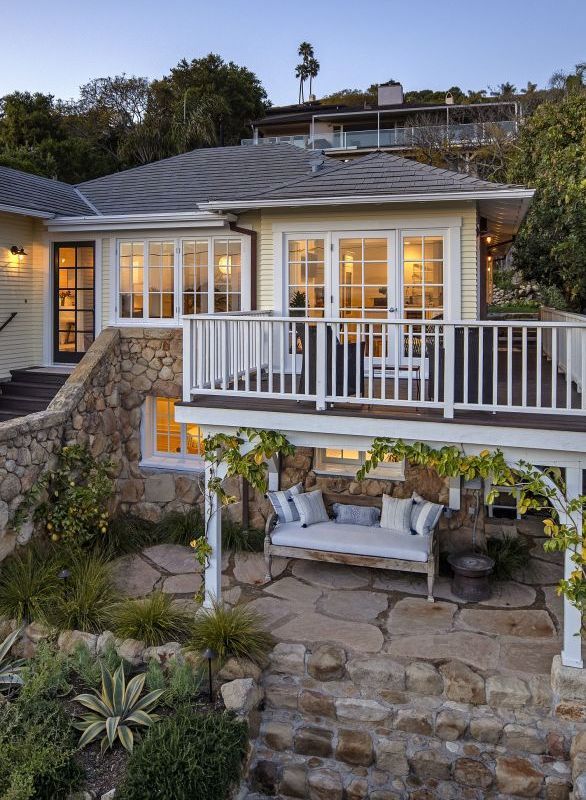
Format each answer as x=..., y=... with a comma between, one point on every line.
x=195, y=276
x=131, y=268
x=161, y=279
x=423, y=295
x=306, y=271
x=227, y=272
x=364, y=279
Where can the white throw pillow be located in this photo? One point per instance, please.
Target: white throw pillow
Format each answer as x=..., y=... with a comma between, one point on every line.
x=310, y=507
x=424, y=515
x=396, y=514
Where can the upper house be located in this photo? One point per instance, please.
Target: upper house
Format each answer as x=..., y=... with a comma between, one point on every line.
x=389, y=125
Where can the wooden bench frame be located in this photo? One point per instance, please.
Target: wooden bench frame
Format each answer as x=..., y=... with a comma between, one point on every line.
x=429, y=567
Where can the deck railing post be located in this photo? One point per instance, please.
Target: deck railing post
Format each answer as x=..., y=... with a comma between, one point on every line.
x=320, y=367
x=449, y=370
x=187, y=360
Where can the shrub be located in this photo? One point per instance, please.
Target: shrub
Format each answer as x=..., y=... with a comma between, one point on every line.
x=28, y=584
x=181, y=527
x=154, y=620
x=45, y=676
x=129, y=534
x=236, y=631
x=116, y=710
x=37, y=750
x=86, y=597
x=70, y=501
x=511, y=553
x=180, y=683
x=88, y=669
x=235, y=537
x=187, y=757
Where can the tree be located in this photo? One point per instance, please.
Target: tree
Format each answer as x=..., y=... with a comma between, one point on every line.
x=308, y=68
x=551, y=156
x=313, y=68
x=301, y=75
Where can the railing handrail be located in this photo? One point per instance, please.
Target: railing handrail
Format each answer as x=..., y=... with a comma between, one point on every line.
x=9, y=320
x=441, y=323
x=571, y=315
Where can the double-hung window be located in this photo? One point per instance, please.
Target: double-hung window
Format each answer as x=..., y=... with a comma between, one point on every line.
x=167, y=443
x=343, y=461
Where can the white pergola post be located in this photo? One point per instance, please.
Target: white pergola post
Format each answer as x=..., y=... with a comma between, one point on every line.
x=572, y=650
x=213, y=517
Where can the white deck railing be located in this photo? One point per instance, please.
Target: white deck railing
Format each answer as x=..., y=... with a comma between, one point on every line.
x=520, y=366
x=569, y=353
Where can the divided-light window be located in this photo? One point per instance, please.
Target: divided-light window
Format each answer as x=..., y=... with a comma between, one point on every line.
x=147, y=279
x=167, y=442
x=347, y=462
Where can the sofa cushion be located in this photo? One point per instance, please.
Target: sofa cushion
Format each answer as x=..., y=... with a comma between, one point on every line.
x=283, y=505
x=396, y=514
x=367, y=516
x=310, y=507
x=354, y=539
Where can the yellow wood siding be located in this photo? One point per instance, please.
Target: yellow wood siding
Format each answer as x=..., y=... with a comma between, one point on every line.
x=22, y=286
x=106, y=283
x=389, y=216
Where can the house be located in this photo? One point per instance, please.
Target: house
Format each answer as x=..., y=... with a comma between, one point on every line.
x=390, y=124
x=274, y=287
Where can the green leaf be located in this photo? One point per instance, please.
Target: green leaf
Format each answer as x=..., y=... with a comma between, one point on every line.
x=126, y=737
x=111, y=727
x=91, y=732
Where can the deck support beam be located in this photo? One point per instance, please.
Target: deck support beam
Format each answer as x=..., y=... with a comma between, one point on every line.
x=213, y=518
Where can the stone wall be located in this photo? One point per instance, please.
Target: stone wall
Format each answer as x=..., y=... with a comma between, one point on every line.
x=342, y=726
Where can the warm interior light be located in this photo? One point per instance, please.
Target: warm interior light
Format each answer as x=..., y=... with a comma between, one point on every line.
x=225, y=264
x=488, y=239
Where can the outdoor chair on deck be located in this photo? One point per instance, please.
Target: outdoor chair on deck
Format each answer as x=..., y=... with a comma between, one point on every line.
x=335, y=349
x=472, y=366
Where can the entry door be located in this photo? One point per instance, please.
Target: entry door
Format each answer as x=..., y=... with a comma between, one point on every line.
x=74, y=300
x=365, y=285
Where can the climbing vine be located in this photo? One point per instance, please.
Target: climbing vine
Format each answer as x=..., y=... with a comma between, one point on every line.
x=243, y=454
x=538, y=490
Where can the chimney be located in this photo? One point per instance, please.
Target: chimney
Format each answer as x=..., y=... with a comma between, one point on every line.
x=390, y=94
x=317, y=161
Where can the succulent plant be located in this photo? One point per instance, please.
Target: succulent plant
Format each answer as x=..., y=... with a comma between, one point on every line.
x=116, y=710
x=10, y=669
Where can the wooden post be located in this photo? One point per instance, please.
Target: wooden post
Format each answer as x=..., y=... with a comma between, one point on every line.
x=320, y=367
x=187, y=358
x=572, y=651
x=449, y=369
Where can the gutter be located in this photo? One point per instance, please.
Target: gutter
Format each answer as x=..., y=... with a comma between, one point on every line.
x=29, y=212
x=183, y=219
x=487, y=194
x=253, y=259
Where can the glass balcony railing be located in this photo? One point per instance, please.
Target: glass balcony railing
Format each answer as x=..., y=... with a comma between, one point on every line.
x=472, y=133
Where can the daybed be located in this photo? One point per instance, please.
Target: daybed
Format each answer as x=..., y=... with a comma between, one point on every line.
x=353, y=544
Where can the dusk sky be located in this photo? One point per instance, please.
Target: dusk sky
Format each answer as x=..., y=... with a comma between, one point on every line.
x=56, y=46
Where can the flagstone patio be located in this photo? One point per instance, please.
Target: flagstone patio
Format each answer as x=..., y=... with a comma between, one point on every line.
x=518, y=630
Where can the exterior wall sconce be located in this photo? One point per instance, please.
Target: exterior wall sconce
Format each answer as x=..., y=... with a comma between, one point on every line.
x=18, y=251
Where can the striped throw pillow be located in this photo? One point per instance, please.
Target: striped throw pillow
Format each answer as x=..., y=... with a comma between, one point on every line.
x=283, y=505
x=310, y=507
x=396, y=514
x=424, y=515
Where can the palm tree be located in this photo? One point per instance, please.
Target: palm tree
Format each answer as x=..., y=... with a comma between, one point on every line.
x=302, y=71
x=507, y=89
x=312, y=71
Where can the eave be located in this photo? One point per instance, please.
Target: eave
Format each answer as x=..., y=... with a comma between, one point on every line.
x=114, y=222
x=26, y=212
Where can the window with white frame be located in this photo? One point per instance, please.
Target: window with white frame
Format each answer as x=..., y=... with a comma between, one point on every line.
x=344, y=461
x=306, y=277
x=423, y=276
x=146, y=279
x=167, y=442
x=227, y=274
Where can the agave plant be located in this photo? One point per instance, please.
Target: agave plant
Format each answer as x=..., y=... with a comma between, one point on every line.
x=10, y=670
x=116, y=710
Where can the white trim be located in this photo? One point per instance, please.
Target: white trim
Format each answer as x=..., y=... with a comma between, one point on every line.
x=392, y=223
x=26, y=212
x=98, y=287
x=116, y=222
x=387, y=471
x=486, y=194
x=153, y=459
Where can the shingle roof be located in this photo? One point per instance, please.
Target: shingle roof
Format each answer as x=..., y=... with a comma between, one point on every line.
x=373, y=175
x=181, y=182
x=26, y=191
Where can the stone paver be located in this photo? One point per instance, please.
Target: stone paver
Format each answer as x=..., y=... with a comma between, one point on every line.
x=417, y=615
x=251, y=568
x=296, y=591
x=271, y=609
x=173, y=558
x=182, y=584
x=473, y=649
x=508, y=594
x=555, y=603
x=133, y=577
x=553, y=556
x=310, y=627
x=534, y=657
x=332, y=576
x=358, y=605
x=413, y=584
x=540, y=573
x=525, y=624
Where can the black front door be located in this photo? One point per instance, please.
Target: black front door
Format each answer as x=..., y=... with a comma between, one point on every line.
x=73, y=303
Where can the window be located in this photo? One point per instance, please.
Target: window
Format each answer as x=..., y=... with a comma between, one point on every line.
x=306, y=277
x=339, y=461
x=195, y=276
x=147, y=293
x=167, y=442
x=227, y=274
x=363, y=277
x=423, y=277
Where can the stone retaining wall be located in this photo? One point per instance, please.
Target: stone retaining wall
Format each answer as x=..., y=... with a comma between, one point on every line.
x=345, y=727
